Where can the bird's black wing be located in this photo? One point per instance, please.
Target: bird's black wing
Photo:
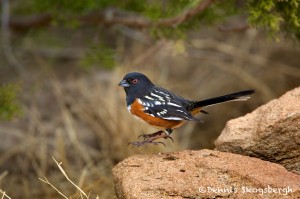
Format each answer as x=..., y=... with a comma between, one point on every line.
x=161, y=103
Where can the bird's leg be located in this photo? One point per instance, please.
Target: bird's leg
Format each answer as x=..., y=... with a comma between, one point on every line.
x=149, y=138
x=159, y=134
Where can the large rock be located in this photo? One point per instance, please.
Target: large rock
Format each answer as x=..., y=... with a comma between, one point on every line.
x=271, y=132
x=202, y=174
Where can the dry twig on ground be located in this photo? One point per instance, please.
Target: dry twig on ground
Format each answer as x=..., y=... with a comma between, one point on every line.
x=45, y=180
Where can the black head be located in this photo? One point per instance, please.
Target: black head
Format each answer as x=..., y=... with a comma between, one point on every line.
x=135, y=84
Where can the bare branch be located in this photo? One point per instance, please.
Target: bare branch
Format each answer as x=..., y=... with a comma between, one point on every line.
x=4, y=195
x=5, y=37
x=67, y=177
x=239, y=28
x=185, y=15
x=33, y=21
x=47, y=182
x=113, y=16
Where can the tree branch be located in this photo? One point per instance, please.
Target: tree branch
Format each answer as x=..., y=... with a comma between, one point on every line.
x=5, y=38
x=113, y=16
x=33, y=21
x=185, y=15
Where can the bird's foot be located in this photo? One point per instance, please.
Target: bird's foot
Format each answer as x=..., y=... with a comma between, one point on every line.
x=138, y=144
x=149, y=138
x=159, y=134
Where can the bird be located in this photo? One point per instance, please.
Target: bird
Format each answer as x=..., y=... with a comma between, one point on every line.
x=163, y=109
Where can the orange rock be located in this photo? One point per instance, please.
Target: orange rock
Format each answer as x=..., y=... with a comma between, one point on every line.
x=202, y=174
x=271, y=132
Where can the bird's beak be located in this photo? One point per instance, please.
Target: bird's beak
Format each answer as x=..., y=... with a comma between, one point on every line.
x=124, y=83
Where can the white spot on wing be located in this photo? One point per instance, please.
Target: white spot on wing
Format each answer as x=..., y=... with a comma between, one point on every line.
x=158, y=97
x=157, y=102
x=181, y=111
x=150, y=114
x=150, y=98
x=165, y=94
x=173, y=118
x=140, y=101
x=162, y=112
x=173, y=104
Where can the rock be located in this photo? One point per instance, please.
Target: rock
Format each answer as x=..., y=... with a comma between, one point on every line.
x=271, y=132
x=202, y=174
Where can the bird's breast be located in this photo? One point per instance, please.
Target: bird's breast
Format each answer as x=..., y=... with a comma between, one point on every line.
x=137, y=110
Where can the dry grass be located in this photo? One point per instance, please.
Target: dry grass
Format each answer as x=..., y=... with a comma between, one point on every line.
x=45, y=180
x=82, y=121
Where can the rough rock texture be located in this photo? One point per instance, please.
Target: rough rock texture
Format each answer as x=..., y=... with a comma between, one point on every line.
x=271, y=132
x=202, y=174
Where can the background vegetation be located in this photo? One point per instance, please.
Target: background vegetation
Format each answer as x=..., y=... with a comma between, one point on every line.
x=61, y=62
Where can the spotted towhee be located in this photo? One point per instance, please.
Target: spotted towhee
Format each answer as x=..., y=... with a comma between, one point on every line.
x=163, y=109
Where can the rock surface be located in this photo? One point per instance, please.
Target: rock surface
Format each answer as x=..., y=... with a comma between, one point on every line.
x=271, y=132
x=202, y=174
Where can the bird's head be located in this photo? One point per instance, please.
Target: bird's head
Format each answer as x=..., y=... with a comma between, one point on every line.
x=135, y=83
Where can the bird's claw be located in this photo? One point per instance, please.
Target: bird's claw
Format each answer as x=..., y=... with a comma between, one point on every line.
x=169, y=137
x=156, y=135
x=143, y=136
x=149, y=138
x=138, y=144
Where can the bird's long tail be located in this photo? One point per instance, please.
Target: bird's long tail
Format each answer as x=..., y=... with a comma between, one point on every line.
x=239, y=96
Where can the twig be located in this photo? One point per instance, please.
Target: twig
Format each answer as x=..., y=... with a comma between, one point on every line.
x=185, y=15
x=238, y=28
x=47, y=182
x=5, y=37
x=234, y=69
x=69, y=123
x=32, y=21
x=253, y=58
x=4, y=195
x=3, y=175
x=66, y=176
x=56, y=53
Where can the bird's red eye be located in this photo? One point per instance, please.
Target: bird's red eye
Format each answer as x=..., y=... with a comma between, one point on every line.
x=135, y=81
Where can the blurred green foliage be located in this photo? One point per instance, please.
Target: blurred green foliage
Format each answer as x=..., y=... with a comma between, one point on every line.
x=61, y=10
x=99, y=55
x=64, y=15
x=276, y=16
x=9, y=105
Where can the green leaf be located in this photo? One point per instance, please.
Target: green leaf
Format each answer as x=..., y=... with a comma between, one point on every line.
x=9, y=105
